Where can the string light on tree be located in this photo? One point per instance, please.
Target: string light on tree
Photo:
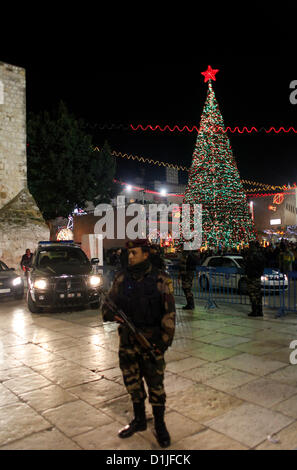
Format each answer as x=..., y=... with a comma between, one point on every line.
x=214, y=181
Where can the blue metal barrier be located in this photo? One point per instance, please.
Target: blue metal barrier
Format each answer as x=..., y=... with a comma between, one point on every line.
x=229, y=285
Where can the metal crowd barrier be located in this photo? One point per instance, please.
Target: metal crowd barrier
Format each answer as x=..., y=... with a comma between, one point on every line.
x=229, y=285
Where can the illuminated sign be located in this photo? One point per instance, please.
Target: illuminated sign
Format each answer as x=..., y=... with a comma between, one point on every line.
x=275, y=221
x=278, y=198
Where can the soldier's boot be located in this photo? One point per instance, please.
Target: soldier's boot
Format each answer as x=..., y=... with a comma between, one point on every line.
x=257, y=311
x=254, y=310
x=260, y=311
x=162, y=433
x=190, y=305
x=137, y=424
x=186, y=307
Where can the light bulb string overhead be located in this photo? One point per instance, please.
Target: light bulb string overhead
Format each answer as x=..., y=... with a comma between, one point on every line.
x=183, y=168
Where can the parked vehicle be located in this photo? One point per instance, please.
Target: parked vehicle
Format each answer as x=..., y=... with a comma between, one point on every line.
x=11, y=284
x=61, y=275
x=272, y=279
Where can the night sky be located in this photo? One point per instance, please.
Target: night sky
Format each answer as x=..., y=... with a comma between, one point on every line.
x=251, y=91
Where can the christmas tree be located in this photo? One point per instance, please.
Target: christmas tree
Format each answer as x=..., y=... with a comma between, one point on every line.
x=214, y=181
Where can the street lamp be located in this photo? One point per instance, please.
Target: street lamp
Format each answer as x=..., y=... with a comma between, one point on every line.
x=128, y=187
x=163, y=192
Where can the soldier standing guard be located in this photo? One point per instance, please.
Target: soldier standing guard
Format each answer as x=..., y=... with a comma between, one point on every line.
x=254, y=268
x=145, y=294
x=187, y=267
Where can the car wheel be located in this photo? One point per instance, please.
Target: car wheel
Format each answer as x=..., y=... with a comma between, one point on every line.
x=32, y=306
x=243, y=287
x=204, y=284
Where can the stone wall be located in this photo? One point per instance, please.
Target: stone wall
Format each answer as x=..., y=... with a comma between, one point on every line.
x=21, y=227
x=13, y=164
x=21, y=222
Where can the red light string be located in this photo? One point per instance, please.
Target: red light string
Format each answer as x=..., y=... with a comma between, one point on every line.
x=233, y=130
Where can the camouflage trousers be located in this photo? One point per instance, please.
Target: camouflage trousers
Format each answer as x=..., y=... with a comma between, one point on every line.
x=254, y=290
x=137, y=365
x=187, y=284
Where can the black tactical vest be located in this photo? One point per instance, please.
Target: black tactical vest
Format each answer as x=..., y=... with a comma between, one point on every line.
x=141, y=300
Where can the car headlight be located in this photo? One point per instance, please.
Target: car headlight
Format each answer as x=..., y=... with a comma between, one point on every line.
x=17, y=281
x=95, y=281
x=40, y=284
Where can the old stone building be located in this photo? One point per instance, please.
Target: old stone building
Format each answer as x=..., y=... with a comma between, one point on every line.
x=21, y=223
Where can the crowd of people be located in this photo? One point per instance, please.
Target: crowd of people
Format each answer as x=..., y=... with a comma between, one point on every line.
x=282, y=255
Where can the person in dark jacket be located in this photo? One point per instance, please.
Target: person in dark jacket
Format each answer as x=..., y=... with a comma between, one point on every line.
x=145, y=294
x=26, y=261
x=254, y=268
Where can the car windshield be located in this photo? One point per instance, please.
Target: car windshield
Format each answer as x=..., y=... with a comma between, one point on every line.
x=240, y=261
x=52, y=257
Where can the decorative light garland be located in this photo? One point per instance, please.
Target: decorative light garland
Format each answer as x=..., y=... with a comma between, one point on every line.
x=183, y=168
x=242, y=130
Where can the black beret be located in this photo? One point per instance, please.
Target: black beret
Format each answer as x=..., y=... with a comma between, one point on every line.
x=138, y=243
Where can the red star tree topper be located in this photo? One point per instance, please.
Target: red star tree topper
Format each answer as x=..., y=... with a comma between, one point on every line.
x=210, y=74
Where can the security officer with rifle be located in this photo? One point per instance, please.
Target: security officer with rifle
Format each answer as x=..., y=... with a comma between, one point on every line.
x=145, y=296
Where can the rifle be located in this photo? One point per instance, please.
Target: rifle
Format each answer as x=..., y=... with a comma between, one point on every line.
x=142, y=340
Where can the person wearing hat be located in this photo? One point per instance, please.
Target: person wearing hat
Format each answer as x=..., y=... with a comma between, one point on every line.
x=145, y=294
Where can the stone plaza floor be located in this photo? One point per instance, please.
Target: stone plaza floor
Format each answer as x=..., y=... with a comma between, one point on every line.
x=229, y=381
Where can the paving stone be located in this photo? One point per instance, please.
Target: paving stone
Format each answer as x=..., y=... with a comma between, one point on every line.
x=258, y=365
x=212, y=353
x=174, y=383
x=14, y=373
x=76, y=418
x=47, y=397
x=50, y=439
x=178, y=426
x=184, y=364
x=25, y=384
x=257, y=347
x=99, y=391
x=230, y=380
x=237, y=330
x=19, y=420
x=201, y=403
x=264, y=392
x=249, y=424
x=282, y=355
x=66, y=374
x=288, y=407
x=287, y=375
x=106, y=438
x=6, y=396
x=205, y=372
x=286, y=440
x=120, y=409
x=208, y=440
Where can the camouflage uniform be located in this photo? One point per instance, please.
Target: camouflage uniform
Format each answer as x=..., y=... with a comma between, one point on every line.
x=186, y=275
x=135, y=362
x=254, y=290
x=254, y=268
